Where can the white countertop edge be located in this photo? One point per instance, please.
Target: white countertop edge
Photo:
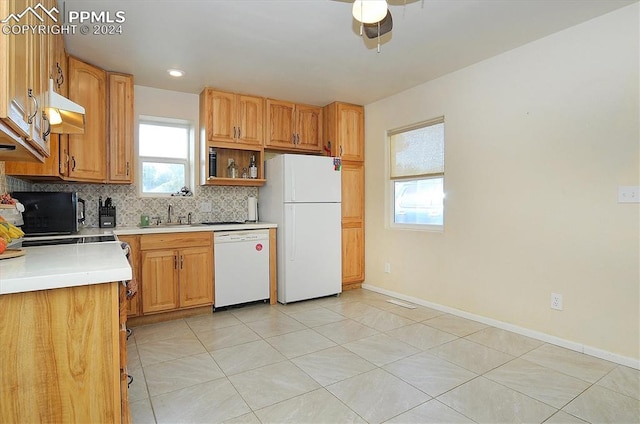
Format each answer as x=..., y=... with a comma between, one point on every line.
x=64, y=280
x=51, y=267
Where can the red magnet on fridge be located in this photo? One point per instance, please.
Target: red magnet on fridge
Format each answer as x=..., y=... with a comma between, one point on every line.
x=259, y=247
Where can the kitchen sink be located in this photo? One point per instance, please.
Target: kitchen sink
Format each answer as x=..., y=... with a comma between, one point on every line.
x=222, y=222
x=169, y=225
x=185, y=225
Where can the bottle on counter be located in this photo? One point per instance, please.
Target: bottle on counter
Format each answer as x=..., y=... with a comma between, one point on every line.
x=232, y=169
x=253, y=168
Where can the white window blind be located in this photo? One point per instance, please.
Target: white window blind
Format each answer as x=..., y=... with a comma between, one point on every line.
x=417, y=151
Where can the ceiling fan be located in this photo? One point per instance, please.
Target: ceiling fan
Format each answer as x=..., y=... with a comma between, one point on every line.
x=374, y=17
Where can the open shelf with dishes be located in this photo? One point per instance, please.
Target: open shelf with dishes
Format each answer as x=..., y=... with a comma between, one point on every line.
x=241, y=157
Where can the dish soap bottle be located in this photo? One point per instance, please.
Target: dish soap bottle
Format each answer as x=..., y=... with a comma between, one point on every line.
x=232, y=169
x=253, y=168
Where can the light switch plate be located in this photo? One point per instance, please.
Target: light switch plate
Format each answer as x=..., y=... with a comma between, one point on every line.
x=628, y=194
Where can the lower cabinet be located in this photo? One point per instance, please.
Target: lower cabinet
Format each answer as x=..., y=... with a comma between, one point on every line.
x=133, y=303
x=352, y=255
x=62, y=356
x=176, y=271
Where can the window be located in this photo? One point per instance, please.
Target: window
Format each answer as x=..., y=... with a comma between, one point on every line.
x=164, y=151
x=416, y=175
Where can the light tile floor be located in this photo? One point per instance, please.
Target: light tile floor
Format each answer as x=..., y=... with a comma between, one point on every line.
x=356, y=358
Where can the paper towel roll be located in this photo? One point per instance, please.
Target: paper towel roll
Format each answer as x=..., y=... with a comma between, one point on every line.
x=252, y=208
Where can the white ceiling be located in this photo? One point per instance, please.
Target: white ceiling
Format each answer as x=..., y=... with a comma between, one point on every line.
x=310, y=51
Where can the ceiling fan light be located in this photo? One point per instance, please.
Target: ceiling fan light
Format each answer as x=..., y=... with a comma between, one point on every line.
x=369, y=11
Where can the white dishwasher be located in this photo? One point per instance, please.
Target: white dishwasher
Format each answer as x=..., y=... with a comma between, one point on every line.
x=241, y=261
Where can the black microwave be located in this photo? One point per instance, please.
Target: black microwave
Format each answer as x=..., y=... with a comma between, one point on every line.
x=50, y=212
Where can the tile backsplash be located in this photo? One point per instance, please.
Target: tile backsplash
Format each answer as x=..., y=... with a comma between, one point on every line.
x=227, y=203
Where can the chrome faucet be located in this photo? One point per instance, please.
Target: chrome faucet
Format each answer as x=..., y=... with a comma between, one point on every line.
x=169, y=214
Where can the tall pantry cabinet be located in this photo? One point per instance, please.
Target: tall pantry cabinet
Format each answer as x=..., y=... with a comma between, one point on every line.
x=344, y=132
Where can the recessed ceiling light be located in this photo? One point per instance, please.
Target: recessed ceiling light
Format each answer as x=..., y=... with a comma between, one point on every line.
x=175, y=73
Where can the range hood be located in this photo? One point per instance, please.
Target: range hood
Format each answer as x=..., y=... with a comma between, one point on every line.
x=65, y=116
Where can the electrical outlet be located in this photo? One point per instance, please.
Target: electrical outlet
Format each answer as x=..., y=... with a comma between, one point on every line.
x=556, y=301
x=387, y=267
x=628, y=194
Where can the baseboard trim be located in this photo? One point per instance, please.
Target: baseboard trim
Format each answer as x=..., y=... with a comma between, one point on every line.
x=578, y=347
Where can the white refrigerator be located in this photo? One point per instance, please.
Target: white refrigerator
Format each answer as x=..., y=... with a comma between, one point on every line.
x=303, y=196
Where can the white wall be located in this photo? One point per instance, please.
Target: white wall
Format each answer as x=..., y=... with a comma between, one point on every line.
x=537, y=142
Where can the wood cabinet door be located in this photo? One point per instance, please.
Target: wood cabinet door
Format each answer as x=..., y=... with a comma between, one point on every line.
x=308, y=128
x=87, y=152
x=120, y=128
x=38, y=79
x=280, y=124
x=350, y=132
x=14, y=107
x=196, y=276
x=220, y=111
x=159, y=280
x=352, y=254
x=352, y=192
x=250, y=118
x=60, y=359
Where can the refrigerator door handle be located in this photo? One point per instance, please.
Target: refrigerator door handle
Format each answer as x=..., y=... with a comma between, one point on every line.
x=293, y=234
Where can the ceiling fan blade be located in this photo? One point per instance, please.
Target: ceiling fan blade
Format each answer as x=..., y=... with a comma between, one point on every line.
x=386, y=25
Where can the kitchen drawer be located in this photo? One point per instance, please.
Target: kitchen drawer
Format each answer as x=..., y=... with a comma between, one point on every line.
x=175, y=240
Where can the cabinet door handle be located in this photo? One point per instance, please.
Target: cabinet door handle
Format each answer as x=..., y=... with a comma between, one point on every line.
x=60, y=79
x=127, y=169
x=340, y=150
x=175, y=261
x=239, y=133
x=234, y=132
x=73, y=161
x=181, y=261
x=35, y=112
x=48, y=131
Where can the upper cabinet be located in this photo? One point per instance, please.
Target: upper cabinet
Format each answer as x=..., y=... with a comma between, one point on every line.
x=232, y=118
x=24, y=73
x=231, y=130
x=344, y=130
x=88, y=151
x=293, y=127
x=104, y=153
x=120, y=128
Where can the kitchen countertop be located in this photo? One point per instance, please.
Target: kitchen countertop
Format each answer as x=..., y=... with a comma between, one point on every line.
x=153, y=229
x=67, y=265
x=64, y=265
